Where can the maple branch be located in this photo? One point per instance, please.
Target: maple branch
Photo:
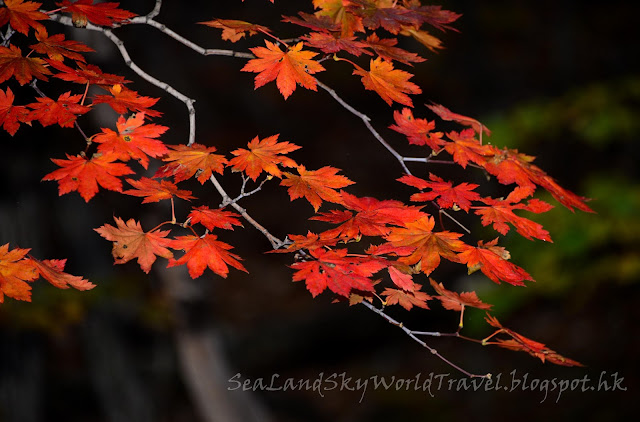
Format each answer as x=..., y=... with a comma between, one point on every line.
x=244, y=194
x=413, y=334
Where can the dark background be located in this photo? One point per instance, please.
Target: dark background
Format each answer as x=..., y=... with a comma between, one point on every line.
x=558, y=80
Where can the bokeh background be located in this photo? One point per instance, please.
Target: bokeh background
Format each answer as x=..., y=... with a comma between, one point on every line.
x=557, y=80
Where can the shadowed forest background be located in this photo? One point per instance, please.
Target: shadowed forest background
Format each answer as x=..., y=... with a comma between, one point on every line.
x=557, y=80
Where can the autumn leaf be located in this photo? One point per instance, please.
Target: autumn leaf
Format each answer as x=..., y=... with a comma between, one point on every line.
x=336, y=271
x=407, y=299
x=466, y=148
x=374, y=14
x=234, y=30
x=428, y=246
x=337, y=12
x=131, y=242
x=15, y=273
x=154, y=191
x=63, y=112
x=315, y=185
x=457, y=301
x=122, y=100
x=391, y=84
x=330, y=44
x=21, y=15
x=402, y=279
x=386, y=48
x=57, y=48
x=52, y=270
x=263, y=155
x=417, y=131
x=188, y=161
x=105, y=14
x=10, y=115
x=134, y=140
x=212, y=218
x=288, y=68
x=447, y=195
x=203, y=252
x=85, y=74
x=434, y=15
x=423, y=37
x=492, y=261
x=310, y=241
x=446, y=114
x=24, y=69
x=324, y=23
x=83, y=175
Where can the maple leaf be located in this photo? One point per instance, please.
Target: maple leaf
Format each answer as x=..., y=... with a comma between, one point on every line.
x=391, y=84
x=465, y=148
x=500, y=212
x=134, y=140
x=316, y=22
x=212, y=218
x=330, y=44
x=154, y=191
x=15, y=273
x=402, y=279
x=334, y=270
x=371, y=219
x=492, y=261
x=234, y=30
x=85, y=74
x=288, y=68
x=433, y=15
x=187, y=161
x=10, y=115
x=457, y=301
x=336, y=11
x=52, y=270
x=57, y=48
x=407, y=299
x=83, y=175
x=263, y=155
x=122, y=100
x=310, y=241
x=21, y=15
x=417, y=131
x=428, y=246
x=130, y=242
x=24, y=69
x=518, y=342
x=386, y=48
x=423, y=37
x=203, y=252
x=374, y=15
x=448, y=195
x=446, y=114
x=62, y=112
x=315, y=185
x=105, y=14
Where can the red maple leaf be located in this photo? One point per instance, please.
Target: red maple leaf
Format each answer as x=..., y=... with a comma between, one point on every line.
x=321, y=23
x=315, y=185
x=334, y=270
x=263, y=155
x=466, y=148
x=203, y=252
x=134, y=140
x=24, y=69
x=130, y=242
x=52, y=270
x=85, y=74
x=10, y=115
x=448, y=195
x=288, y=68
x=62, y=112
x=187, y=161
x=122, y=100
x=347, y=22
x=375, y=15
x=492, y=261
x=57, y=48
x=106, y=13
x=212, y=218
x=234, y=30
x=83, y=175
x=434, y=15
x=457, y=301
x=330, y=44
x=407, y=299
x=386, y=48
x=310, y=241
x=154, y=191
x=417, y=131
x=391, y=84
x=446, y=114
x=21, y=15
x=15, y=274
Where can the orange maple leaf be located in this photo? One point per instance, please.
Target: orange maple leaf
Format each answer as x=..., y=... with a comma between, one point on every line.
x=263, y=155
x=336, y=11
x=315, y=185
x=15, y=273
x=203, y=252
x=154, y=191
x=448, y=195
x=63, y=111
x=83, y=175
x=10, y=115
x=52, y=270
x=130, y=241
x=288, y=68
x=234, y=30
x=417, y=131
x=407, y=299
x=106, y=13
x=492, y=261
x=457, y=301
x=212, y=218
x=57, y=48
x=24, y=69
x=391, y=84
x=122, y=100
x=21, y=15
x=134, y=140
x=187, y=161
